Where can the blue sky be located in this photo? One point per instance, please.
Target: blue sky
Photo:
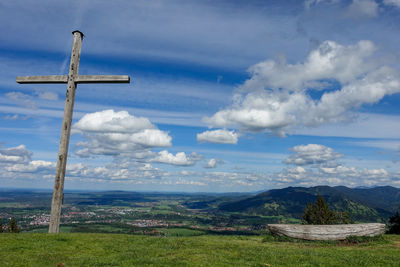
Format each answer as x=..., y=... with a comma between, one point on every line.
x=225, y=95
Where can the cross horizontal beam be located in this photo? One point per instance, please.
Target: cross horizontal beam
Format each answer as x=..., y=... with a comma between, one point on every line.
x=43, y=79
x=102, y=79
x=79, y=79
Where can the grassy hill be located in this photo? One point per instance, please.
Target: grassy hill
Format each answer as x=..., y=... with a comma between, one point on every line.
x=366, y=205
x=127, y=250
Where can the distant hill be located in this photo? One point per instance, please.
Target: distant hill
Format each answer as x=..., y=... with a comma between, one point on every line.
x=364, y=204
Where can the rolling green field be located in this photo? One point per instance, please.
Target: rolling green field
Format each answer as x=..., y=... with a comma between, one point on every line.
x=27, y=249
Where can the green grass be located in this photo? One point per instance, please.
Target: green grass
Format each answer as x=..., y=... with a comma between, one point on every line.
x=180, y=232
x=26, y=249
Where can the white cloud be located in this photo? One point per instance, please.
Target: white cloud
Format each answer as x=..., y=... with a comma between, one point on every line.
x=18, y=154
x=22, y=99
x=367, y=8
x=317, y=166
x=312, y=154
x=276, y=97
x=118, y=133
x=261, y=110
x=212, y=163
x=218, y=136
x=32, y=167
x=117, y=171
x=395, y=3
x=340, y=170
x=11, y=117
x=16, y=163
x=188, y=182
x=186, y=173
x=180, y=159
x=109, y=121
x=48, y=96
x=329, y=61
x=333, y=176
x=151, y=138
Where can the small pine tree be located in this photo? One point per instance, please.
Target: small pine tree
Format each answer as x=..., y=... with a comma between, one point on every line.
x=322, y=213
x=1, y=225
x=394, y=224
x=12, y=226
x=319, y=213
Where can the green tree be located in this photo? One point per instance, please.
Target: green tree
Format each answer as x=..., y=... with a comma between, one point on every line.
x=319, y=213
x=308, y=214
x=394, y=224
x=322, y=213
x=12, y=226
x=1, y=225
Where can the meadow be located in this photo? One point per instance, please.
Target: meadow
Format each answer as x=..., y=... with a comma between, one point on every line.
x=78, y=249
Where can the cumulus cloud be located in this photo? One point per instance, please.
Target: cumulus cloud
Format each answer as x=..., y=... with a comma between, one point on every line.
x=109, y=121
x=124, y=135
x=317, y=165
x=18, y=154
x=277, y=96
x=180, y=159
x=339, y=175
x=126, y=170
x=116, y=133
x=32, y=166
x=218, y=136
x=16, y=162
x=329, y=61
x=312, y=154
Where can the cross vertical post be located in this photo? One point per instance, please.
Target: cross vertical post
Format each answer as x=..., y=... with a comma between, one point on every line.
x=72, y=79
x=58, y=194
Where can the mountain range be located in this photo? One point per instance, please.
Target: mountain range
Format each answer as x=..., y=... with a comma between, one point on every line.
x=363, y=204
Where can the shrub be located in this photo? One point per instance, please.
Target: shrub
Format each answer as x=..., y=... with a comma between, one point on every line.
x=12, y=226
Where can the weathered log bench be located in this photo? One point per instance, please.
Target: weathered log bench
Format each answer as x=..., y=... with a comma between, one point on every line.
x=327, y=232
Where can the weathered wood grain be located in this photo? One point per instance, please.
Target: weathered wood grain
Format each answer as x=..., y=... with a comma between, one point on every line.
x=327, y=232
x=43, y=79
x=103, y=79
x=58, y=193
x=78, y=79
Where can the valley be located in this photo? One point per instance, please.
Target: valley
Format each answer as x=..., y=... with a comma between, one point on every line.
x=184, y=214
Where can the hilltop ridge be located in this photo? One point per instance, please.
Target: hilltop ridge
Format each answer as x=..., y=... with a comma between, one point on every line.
x=364, y=204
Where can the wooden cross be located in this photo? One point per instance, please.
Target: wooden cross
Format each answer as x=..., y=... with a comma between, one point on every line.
x=72, y=79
